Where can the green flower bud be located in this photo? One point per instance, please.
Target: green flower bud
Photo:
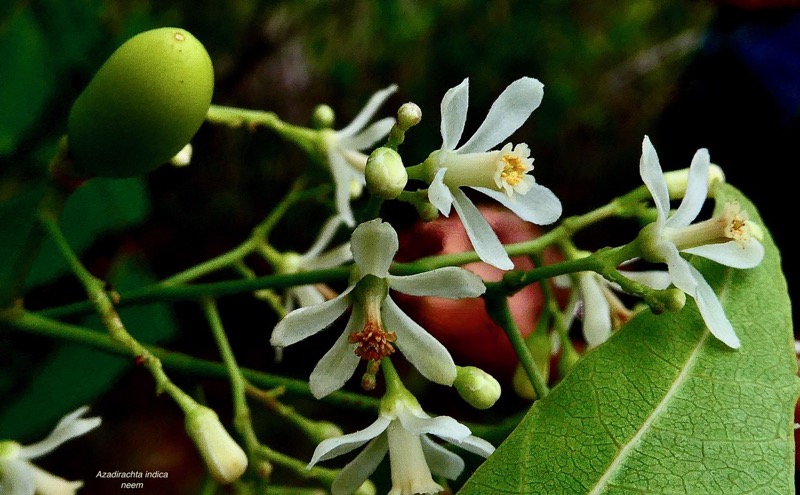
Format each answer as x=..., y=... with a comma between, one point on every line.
x=323, y=117
x=9, y=449
x=477, y=387
x=408, y=115
x=142, y=106
x=224, y=459
x=385, y=174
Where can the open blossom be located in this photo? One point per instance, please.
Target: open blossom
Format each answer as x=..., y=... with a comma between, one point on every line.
x=402, y=430
x=376, y=323
x=343, y=149
x=314, y=259
x=727, y=238
x=18, y=476
x=500, y=174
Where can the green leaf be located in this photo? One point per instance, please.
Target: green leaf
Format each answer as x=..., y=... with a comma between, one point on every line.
x=99, y=207
x=664, y=407
x=27, y=77
x=74, y=375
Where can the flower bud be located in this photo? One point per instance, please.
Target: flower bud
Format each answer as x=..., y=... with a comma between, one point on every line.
x=224, y=459
x=323, y=117
x=477, y=387
x=385, y=174
x=408, y=115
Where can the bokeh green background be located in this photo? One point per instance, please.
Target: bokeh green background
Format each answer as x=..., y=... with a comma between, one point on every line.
x=613, y=71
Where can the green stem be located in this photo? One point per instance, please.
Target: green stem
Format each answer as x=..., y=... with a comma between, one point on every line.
x=51, y=204
x=240, y=408
x=497, y=307
x=158, y=293
x=252, y=243
x=95, y=289
x=238, y=117
x=33, y=323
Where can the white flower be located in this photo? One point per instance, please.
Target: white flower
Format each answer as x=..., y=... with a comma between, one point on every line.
x=402, y=430
x=314, y=259
x=344, y=147
x=18, y=476
x=598, y=307
x=376, y=322
x=726, y=239
x=501, y=174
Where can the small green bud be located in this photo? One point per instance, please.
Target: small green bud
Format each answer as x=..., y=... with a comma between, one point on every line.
x=477, y=387
x=675, y=299
x=323, y=117
x=408, y=116
x=224, y=459
x=569, y=357
x=385, y=174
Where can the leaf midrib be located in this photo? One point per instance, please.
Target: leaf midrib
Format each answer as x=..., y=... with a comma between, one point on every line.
x=645, y=427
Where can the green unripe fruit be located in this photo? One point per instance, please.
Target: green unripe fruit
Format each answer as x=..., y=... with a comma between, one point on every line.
x=142, y=106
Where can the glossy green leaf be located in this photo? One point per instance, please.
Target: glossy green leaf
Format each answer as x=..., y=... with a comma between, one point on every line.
x=663, y=407
x=73, y=375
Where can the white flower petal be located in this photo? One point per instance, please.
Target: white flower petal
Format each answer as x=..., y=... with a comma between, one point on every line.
x=454, y=114
x=342, y=177
x=655, y=279
x=370, y=136
x=450, y=282
x=16, y=477
x=696, y=191
x=713, y=313
x=443, y=427
x=50, y=484
x=596, y=311
x=325, y=236
x=679, y=269
x=356, y=472
x=304, y=322
x=332, y=447
x=366, y=113
x=508, y=112
x=419, y=347
x=439, y=194
x=653, y=177
x=441, y=461
x=374, y=245
x=731, y=253
x=477, y=446
x=306, y=295
x=483, y=238
x=339, y=363
x=70, y=426
x=337, y=256
x=539, y=205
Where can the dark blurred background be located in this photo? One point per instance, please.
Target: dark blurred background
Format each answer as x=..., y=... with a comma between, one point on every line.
x=723, y=75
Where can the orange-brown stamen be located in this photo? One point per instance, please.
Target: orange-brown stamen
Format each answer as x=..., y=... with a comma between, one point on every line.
x=373, y=342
